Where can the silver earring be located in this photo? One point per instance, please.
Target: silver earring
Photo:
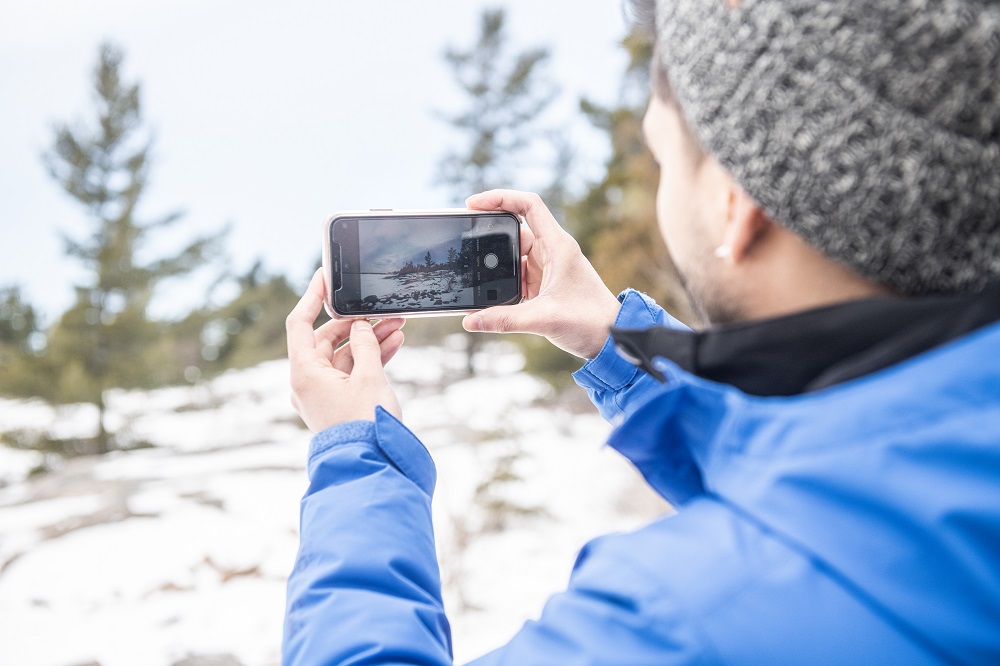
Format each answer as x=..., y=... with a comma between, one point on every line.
x=723, y=252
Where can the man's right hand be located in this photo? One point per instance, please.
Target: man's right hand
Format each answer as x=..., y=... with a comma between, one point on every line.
x=565, y=299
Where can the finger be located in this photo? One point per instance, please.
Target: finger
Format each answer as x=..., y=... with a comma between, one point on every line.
x=485, y=201
x=326, y=349
x=334, y=331
x=343, y=359
x=299, y=323
x=382, y=328
x=391, y=345
x=527, y=239
x=386, y=327
x=527, y=317
x=525, y=293
x=364, y=347
x=527, y=204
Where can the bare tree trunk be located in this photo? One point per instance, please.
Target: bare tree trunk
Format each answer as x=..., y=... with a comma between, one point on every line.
x=472, y=344
x=103, y=439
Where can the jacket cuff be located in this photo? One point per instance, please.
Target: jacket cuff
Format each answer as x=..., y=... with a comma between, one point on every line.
x=608, y=370
x=386, y=435
x=343, y=433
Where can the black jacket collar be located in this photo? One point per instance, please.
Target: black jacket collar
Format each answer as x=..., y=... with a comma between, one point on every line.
x=812, y=350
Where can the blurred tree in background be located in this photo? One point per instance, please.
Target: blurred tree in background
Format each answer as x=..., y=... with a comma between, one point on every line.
x=615, y=220
x=20, y=362
x=506, y=94
x=246, y=331
x=18, y=320
x=107, y=339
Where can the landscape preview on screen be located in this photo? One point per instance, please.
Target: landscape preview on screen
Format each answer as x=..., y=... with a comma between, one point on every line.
x=422, y=263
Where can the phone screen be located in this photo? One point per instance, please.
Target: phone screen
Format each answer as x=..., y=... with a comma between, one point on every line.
x=411, y=264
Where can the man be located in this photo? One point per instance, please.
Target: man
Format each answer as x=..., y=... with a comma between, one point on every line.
x=830, y=192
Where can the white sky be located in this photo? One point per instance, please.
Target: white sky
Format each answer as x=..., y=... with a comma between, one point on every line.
x=269, y=116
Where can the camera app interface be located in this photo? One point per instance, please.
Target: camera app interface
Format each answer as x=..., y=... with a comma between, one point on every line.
x=416, y=264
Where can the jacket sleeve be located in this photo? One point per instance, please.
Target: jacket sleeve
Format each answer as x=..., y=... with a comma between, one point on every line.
x=613, y=383
x=616, y=610
x=365, y=587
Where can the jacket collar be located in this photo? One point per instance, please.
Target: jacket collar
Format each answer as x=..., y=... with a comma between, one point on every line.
x=812, y=350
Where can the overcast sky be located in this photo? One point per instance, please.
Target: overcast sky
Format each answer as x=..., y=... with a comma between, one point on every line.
x=268, y=116
x=383, y=248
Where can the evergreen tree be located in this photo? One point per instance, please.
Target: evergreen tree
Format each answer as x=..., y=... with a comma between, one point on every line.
x=21, y=371
x=18, y=320
x=107, y=339
x=615, y=220
x=246, y=331
x=506, y=95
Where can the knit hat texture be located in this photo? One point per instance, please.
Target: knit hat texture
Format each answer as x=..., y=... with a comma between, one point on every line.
x=870, y=129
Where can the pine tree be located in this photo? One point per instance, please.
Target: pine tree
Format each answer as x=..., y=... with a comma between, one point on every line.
x=21, y=372
x=506, y=95
x=18, y=320
x=106, y=338
x=615, y=220
x=246, y=331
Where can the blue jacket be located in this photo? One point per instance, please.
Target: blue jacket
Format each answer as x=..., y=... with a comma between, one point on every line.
x=857, y=524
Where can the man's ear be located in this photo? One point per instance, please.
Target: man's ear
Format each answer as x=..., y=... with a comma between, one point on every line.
x=746, y=224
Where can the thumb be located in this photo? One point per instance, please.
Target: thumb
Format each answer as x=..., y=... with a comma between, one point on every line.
x=521, y=318
x=365, y=349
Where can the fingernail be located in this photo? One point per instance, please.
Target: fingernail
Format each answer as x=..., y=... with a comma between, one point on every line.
x=359, y=324
x=473, y=323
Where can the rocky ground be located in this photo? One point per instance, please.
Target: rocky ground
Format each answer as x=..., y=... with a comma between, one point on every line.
x=411, y=290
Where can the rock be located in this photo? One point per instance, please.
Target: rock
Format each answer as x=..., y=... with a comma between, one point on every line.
x=209, y=660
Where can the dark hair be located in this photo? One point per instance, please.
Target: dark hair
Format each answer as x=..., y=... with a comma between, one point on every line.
x=640, y=16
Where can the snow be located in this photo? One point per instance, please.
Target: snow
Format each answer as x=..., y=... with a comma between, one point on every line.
x=153, y=555
x=440, y=288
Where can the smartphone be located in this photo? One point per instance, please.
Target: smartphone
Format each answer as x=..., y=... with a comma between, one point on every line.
x=383, y=263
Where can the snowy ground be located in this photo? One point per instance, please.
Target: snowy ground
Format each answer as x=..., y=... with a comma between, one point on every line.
x=156, y=555
x=440, y=287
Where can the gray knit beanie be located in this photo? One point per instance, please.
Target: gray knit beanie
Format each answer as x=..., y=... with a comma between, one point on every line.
x=871, y=129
